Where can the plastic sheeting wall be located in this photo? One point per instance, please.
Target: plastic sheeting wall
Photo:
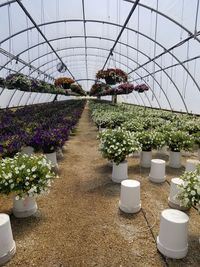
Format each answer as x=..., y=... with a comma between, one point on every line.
x=160, y=45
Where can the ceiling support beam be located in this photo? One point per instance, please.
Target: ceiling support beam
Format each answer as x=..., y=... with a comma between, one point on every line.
x=121, y=31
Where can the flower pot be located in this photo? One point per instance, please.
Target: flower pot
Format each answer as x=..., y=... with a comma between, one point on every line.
x=173, y=202
x=175, y=159
x=24, y=207
x=120, y=172
x=53, y=159
x=101, y=129
x=29, y=150
x=66, y=85
x=172, y=240
x=145, y=159
x=191, y=165
x=59, y=153
x=130, y=196
x=7, y=244
x=110, y=80
x=157, y=172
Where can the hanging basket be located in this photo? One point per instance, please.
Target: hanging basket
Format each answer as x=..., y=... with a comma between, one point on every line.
x=110, y=80
x=66, y=85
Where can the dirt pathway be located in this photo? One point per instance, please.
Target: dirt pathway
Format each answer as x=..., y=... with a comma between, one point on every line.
x=79, y=223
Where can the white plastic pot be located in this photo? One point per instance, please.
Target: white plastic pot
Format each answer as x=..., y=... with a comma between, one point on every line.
x=172, y=240
x=175, y=159
x=120, y=172
x=163, y=150
x=101, y=129
x=130, y=196
x=7, y=244
x=145, y=159
x=29, y=150
x=174, y=190
x=24, y=207
x=191, y=165
x=52, y=158
x=59, y=153
x=157, y=171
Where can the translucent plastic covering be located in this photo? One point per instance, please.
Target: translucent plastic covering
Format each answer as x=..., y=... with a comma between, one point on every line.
x=156, y=42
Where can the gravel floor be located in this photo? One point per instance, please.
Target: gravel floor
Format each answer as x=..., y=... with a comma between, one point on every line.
x=79, y=223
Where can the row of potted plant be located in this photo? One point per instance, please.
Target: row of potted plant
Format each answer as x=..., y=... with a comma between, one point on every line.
x=102, y=89
x=24, y=83
x=150, y=133
x=45, y=128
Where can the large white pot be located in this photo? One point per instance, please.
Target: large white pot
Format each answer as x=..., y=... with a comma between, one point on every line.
x=120, y=172
x=29, y=150
x=7, y=244
x=175, y=159
x=145, y=159
x=24, y=207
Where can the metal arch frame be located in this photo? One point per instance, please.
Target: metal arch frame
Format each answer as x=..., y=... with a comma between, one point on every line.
x=161, y=69
x=138, y=75
x=165, y=16
x=104, y=49
x=139, y=4
x=142, y=34
x=117, y=25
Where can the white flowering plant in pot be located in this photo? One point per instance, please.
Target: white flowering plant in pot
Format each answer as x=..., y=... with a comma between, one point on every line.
x=25, y=176
x=179, y=140
x=150, y=140
x=189, y=193
x=117, y=143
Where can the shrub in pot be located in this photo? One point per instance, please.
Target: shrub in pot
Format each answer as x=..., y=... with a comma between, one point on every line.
x=177, y=141
x=115, y=146
x=25, y=177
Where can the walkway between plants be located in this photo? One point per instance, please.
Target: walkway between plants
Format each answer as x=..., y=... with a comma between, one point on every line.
x=79, y=223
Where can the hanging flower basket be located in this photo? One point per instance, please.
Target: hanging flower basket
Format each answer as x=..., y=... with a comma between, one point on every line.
x=140, y=88
x=110, y=80
x=66, y=85
x=112, y=76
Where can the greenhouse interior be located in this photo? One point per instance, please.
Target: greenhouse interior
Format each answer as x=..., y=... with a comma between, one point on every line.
x=100, y=133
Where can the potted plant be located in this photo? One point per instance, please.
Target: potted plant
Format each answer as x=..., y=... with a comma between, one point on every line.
x=64, y=82
x=177, y=141
x=115, y=145
x=149, y=140
x=140, y=88
x=2, y=82
x=112, y=76
x=18, y=81
x=25, y=177
x=196, y=137
x=189, y=190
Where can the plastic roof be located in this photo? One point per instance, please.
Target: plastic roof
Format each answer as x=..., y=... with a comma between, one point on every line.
x=156, y=42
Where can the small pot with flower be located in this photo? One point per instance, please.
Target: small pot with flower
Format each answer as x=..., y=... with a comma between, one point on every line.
x=149, y=140
x=116, y=144
x=25, y=177
x=112, y=76
x=177, y=141
x=189, y=191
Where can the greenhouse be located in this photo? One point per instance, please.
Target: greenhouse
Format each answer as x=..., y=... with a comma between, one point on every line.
x=100, y=133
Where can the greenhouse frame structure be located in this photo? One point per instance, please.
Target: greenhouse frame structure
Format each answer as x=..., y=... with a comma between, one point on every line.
x=161, y=50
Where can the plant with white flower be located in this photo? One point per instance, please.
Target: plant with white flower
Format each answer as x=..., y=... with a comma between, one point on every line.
x=25, y=176
x=189, y=194
x=179, y=140
x=116, y=144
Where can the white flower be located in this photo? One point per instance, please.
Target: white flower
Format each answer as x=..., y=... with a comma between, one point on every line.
x=17, y=197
